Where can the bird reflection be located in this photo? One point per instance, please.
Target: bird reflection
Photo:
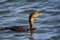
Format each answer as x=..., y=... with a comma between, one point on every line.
x=31, y=34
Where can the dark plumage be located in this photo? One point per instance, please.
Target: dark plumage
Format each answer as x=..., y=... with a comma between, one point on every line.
x=23, y=28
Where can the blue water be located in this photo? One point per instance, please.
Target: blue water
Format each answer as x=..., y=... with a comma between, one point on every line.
x=16, y=13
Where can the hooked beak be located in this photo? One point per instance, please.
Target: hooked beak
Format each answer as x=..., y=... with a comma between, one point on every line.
x=36, y=15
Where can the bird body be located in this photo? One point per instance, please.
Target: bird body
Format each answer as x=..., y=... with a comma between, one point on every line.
x=23, y=28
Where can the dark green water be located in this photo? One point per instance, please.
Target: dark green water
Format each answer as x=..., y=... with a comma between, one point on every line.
x=16, y=12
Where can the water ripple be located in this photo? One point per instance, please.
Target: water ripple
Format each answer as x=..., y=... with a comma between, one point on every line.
x=17, y=12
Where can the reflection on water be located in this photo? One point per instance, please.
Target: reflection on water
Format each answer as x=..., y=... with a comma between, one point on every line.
x=31, y=34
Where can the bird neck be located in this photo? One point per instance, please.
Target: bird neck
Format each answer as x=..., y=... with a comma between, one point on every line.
x=31, y=22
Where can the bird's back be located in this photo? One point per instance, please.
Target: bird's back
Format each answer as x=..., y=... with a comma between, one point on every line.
x=15, y=28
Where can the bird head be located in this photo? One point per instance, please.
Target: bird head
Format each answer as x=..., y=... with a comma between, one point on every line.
x=35, y=15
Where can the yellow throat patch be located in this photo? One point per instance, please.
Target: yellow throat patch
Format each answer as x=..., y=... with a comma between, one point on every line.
x=36, y=15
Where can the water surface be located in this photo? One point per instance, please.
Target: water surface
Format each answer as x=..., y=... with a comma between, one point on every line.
x=16, y=13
